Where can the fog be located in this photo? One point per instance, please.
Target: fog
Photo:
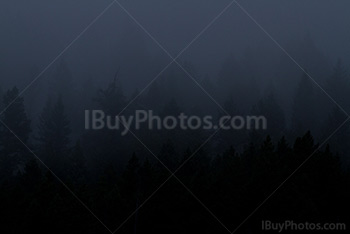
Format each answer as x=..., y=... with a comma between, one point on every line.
x=34, y=34
x=286, y=61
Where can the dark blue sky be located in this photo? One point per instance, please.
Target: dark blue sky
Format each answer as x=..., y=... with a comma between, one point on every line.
x=34, y=33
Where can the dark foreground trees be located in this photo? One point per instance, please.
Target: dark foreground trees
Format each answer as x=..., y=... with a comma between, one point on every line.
x=87, y=184
x=231, y=185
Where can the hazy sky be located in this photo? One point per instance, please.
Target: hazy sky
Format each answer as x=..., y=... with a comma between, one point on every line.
x=33, y=33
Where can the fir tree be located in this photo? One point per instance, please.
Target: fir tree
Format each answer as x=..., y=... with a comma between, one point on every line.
x=15, y=135
x=53, y=133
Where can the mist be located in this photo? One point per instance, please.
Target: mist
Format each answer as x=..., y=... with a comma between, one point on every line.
x=283, y=62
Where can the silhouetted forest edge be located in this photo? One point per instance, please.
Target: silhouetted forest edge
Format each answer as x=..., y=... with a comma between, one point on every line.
x=113, y=174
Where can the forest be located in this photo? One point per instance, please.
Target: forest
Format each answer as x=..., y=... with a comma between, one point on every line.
x=112, y=175
x=285, y=61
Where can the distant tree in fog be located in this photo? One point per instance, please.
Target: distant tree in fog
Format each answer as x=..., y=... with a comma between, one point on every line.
x=53, y=133
x=12, y=147
x=304, y=107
